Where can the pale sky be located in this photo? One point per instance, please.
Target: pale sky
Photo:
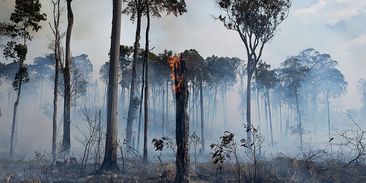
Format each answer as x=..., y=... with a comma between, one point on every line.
x=336, y=27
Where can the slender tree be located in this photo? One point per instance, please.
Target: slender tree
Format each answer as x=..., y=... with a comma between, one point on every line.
x=110, y=156
x=135, y=8
x=266, y=80
x=66, y=142
x=256, y=22
x=55, y=27
x=146, y=106
x=293, y=74
x=25, y=19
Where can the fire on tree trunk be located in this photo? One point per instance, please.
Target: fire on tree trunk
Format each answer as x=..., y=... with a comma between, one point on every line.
x=177, y=66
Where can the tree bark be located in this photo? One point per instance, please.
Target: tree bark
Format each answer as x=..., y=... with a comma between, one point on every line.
x=133, y=106
x=57, y=53
x=110, y=156
x=67, y=82
x=13, y=126
x=146, y=107
x=182, y=128
x=249, y=122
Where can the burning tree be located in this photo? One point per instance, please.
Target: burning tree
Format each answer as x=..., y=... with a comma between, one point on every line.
x=256, y=22
x=180, y=87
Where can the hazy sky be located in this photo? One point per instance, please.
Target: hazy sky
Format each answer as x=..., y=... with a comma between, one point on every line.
x=337, y=27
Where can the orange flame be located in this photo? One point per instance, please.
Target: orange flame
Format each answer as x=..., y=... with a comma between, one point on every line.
x=174, y=64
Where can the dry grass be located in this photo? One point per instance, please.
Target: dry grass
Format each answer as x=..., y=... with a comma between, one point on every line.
x=280, y=169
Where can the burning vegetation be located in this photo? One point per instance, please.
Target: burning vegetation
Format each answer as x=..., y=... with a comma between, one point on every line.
x=128, y=125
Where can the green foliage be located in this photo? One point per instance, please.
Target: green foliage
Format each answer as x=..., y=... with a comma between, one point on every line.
x=257, y=17
x=134, y=7
x=222, y=70
x=265, y=77
x=25, y=18
x=164, y=142
x=222, y=151
x=20, y=77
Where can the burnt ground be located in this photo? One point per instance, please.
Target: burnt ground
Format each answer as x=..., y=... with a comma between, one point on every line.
x=280, y=169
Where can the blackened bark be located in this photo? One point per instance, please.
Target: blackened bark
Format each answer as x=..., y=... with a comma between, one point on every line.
x=110, y=156
x=67, y=79
x=182, y=128
x=146, y=106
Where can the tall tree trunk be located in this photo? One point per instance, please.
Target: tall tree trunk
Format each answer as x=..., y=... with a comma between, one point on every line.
x=67, y=79
x=167, y=107
x=110, y=156
x=182, y=128
x=242, y=107
x=214, y=110
x=281, y=126
x=140, y=107
x=163, y=113
x=57, y=53
x=270, y=115
x=146, y=107
x=13, y=126
x=202, y=115
x=299, y=118
x=266, y=112
x=249, y=122
x=133, y=106
x=258, y=110
x=193, y=106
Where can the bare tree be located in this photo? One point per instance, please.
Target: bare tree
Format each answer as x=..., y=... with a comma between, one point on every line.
x=55, y=27
x=88, y=135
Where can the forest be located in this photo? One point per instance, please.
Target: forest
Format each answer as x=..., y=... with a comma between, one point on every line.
x=138, y=105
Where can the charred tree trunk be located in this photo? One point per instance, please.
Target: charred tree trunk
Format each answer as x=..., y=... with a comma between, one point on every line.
x=67, y=79
x=182, y=125
x=146, y=107
x=133, y=106
x=110, y=156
